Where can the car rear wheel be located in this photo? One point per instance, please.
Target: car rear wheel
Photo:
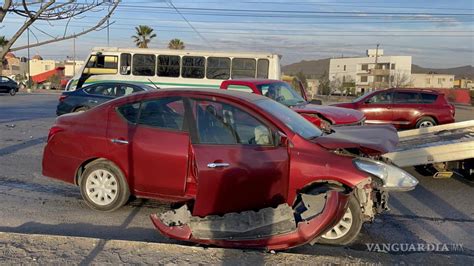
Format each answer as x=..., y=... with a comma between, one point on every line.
x=425, y=122
x=347, y=229
x=103, y=186
x=12, y=92
x=80, y=109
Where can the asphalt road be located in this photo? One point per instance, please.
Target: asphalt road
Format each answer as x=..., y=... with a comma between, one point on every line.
x=438, y=211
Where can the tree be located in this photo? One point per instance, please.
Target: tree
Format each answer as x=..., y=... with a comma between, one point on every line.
x=401, y=79
x=143, y=36
x=3, y=41
x=176, y=44
x=52, y=11
x=324, y=84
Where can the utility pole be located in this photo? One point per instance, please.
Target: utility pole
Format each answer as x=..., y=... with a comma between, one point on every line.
x=375, y=67
x=108, y=33
x=29, y=69
x=74, y=57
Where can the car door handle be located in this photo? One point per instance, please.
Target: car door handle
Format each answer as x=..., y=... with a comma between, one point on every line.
x=119, y=141
x=217, y=165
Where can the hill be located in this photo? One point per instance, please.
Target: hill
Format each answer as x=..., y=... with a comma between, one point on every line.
x=459, y=72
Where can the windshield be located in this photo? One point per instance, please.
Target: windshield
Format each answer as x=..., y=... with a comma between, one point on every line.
x=281, y=92
x=293, y=120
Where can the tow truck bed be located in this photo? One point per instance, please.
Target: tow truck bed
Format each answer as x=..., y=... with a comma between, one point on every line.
x=445, y=143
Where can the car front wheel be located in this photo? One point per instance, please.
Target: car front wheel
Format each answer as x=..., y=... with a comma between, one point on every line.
x=12, y=92
x=347, y=229
x=103, y=186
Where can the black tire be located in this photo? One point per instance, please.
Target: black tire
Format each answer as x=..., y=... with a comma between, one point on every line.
x=425, y=121
x=12, y=92
x=80, y=109
x=89, y=177
x=354, y=230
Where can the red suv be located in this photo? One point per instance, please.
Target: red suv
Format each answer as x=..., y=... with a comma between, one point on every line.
x=248, y=171
x=404, y=108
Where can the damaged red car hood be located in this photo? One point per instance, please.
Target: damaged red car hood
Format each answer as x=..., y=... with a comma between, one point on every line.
x=337, y=115
x=374, y=139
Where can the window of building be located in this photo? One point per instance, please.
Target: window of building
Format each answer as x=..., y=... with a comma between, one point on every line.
x=428, y=81
x=344, y=67
x=393, y=66
x=168, y=66
x=125, y=64
x=363, y=78
x=243, y=68
x=262, y=68
x=392, y=78
x=440, y=81
x=221, y=123
x=193, y=67
x=47, y=67
x=165, y=113
x=144, y=65
x=365, y=67
x=218, y=68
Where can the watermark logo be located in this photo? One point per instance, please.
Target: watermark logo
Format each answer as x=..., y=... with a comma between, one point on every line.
x=414, y=247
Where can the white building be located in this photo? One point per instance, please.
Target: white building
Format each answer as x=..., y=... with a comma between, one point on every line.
x=433, y=80
x=371, y=72
x=71, y=68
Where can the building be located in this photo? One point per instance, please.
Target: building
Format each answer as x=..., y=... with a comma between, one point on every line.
x=433, y=80
x=71, y=68
x=463, y=83
x=371, y=72
x=13, y=66
x=38, y=65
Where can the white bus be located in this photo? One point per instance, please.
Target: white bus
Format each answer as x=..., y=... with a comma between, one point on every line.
x=167, y=68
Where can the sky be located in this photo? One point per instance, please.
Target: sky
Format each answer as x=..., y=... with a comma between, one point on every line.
x=435, y=33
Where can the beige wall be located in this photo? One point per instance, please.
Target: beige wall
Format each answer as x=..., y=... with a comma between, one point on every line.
x=41, y=66
x=433, y=81
x=70, y=70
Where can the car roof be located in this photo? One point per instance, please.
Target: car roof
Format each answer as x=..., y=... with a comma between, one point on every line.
x=139, y=84
x=256, y=81
x=239, y=95
x=411, y=90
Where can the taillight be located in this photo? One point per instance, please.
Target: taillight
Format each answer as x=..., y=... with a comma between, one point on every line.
x=53, y=131
x=62, y=97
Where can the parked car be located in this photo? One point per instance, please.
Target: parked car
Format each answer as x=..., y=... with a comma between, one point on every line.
x=404, y=108
x=7, y=85
x=322, y=116
x=248, y=171
x=83, y=99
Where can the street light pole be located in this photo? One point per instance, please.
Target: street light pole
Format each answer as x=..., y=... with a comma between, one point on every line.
x=29, y=69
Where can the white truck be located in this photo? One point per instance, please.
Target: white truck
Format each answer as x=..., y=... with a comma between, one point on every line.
x=442, y=150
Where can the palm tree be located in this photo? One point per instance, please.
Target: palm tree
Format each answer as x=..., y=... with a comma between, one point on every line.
x=143, y=36
x=176, y=44
x=3, y=41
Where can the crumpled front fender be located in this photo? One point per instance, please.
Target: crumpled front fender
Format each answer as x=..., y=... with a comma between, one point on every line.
x=335, y=206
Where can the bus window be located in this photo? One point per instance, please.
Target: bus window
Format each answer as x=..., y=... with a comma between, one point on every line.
x=262, y=68
x=144, y=65
x=243, y=68
x=218, y=68
x=193, y=67
x=168, y=66
x=101, y=64
x=125, y=64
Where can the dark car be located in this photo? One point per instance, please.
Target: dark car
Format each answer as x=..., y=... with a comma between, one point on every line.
x=404, y=108
x=242, y=165
x=7, y=85
x=85, y=98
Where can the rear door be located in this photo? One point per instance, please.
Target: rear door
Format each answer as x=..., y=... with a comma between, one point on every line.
x=406, y=108
x=237, y=165
x=378, y=108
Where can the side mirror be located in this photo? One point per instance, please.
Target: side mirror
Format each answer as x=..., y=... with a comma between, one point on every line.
x=315, y=101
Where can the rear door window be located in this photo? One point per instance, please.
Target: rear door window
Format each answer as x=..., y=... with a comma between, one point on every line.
x=402, y=97
x=165, y=113
x=428, y=98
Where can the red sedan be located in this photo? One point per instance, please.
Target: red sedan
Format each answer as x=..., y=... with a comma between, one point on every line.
x=404, y=108
x=322, y=116
x=248, y=171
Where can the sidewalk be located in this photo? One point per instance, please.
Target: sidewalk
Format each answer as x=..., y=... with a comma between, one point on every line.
x=40, y=91
x=46, y=249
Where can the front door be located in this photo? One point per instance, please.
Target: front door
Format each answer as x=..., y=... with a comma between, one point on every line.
x=237, y=165
x=378, y=108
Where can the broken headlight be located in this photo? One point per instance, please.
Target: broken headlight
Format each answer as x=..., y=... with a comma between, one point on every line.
x=393, y=178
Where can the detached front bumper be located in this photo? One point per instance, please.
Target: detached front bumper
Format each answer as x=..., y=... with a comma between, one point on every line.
x=282, y=237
